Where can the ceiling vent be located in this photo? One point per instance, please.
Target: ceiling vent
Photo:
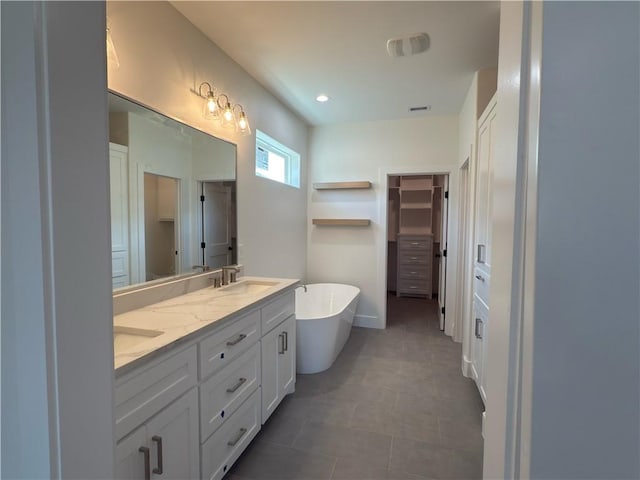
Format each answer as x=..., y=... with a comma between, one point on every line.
x=408, y=45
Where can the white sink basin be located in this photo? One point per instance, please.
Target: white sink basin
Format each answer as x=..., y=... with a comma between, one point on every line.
x=128, y=337
x=248, y=286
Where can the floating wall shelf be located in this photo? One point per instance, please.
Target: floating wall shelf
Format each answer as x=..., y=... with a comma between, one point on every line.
x=342, y=222
x=341, y=185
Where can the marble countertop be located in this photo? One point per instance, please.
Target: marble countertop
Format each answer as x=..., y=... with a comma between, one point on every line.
x=185, y=316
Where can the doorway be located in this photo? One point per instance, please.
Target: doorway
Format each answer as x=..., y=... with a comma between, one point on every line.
x=417, y=228
x=218, y=224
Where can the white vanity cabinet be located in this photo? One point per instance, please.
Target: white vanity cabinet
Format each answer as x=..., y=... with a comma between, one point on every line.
x=189, y=413
x=156, y=421
x=278, y=365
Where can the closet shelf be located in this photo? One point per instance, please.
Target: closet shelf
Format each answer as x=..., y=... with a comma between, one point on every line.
x=341, y=222
x=341, y=185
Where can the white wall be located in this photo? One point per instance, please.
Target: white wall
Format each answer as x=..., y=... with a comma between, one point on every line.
x=369, y=151
x=563, y=383
x=467, y=127
x=57, y=343
x=586, y=331
x=163, y=59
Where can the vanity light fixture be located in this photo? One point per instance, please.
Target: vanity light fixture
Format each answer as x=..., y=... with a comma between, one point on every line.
x=242, y=122
x=210, y=108
x=219, y=107
x=112, y=55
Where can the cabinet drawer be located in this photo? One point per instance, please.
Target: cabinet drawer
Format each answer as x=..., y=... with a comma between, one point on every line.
x=277, y=311
x=421, y=244
x=418, y=287
x=145, y=391
x=223, y=393
x=481, y=283
x=414, y=272
x=225, y=446
x=411, y=258
x=220, y=348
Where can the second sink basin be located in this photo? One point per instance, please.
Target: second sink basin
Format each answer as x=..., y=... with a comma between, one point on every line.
x=127, y=337
x=248, y=286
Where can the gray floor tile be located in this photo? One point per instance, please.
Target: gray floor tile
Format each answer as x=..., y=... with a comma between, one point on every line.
x=322, y=411
x=271, y=461
x=420, y=458
x=357, y=469
x=464, y=464
x=281, y=428
x=460, y=435
x=344, y=442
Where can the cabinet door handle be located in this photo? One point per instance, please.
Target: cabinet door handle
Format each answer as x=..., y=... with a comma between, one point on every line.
x=281, y=344
x=147, y=462
x=237, y=340
x=158, y=440
x=237, y=385
x=286, y=341
x=477, y=330
x=480, y=277
x=232, y=443
x=481, y=253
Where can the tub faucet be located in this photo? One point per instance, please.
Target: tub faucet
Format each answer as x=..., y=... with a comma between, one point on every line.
x=305, y=287
x=229, y=274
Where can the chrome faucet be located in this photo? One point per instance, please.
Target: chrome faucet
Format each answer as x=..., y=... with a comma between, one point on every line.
x=229, y=274
x=305, y=287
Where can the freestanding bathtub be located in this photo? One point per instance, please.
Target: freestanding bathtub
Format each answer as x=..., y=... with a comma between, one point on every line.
x=324, y=314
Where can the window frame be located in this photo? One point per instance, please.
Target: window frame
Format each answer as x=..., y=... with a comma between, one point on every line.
x=291, y=159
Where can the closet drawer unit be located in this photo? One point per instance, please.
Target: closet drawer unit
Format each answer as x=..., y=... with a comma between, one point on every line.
x=219, y=349
x=410, y=272
x=421, y=244
x=145, y=391
x=275, y=312
x=224, y=447
x=416, y=287
x=224, y=392
x=411, y=258
x=481, y=281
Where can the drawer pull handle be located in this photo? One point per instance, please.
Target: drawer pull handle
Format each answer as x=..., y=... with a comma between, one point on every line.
x=237, y=385
x=413, y=258
x=281, y=344
x=240, y=337
x=415, y=243
x=413, y=287
x=232, y=443
x=147, y=462
x=480, y=277
x=286, y=341
x=158, y=440
x=477, y=332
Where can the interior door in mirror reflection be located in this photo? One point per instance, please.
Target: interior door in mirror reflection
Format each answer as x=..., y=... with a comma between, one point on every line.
x=160, y=221
x=218, y=224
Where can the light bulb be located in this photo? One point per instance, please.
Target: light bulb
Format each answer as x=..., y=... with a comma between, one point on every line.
x=211, y=102
x=228, y=116
x=242, y=122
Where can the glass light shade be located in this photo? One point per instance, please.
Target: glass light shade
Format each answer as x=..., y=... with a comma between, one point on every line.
x=210, y=109
x=227, y=118
x=243, y=124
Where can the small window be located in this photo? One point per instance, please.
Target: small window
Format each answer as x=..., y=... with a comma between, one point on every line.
x=276, y=161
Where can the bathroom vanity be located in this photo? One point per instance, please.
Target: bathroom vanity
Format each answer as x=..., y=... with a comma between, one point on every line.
x=198, y=374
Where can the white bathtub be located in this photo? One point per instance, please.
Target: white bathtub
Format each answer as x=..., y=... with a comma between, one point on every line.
x=324, y=316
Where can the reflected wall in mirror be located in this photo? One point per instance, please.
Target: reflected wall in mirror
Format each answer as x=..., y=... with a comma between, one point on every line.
x=172, y=196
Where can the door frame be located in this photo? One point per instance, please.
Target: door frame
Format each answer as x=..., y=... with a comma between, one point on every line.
x=381, y=247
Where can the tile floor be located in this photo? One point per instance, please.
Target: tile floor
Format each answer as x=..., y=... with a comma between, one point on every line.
x=394, y=405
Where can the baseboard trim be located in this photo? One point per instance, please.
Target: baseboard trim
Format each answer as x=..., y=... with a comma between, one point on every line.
x=466, y=367
x=367, y=321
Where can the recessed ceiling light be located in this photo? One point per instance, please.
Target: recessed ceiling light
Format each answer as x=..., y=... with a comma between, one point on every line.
x=322, y=98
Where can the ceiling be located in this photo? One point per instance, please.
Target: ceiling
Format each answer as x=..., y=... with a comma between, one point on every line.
x=298, y=50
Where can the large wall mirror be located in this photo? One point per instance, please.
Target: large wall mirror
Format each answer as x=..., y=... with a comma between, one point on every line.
x=173, y=196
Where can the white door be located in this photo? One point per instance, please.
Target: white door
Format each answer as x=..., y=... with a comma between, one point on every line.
x=217, y=226
x=287, y=362
x=119, y=187
x=442, y=284
x=174, y=440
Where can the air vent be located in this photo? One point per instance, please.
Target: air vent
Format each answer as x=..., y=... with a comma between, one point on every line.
x=408, y=45
x=423, y=108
